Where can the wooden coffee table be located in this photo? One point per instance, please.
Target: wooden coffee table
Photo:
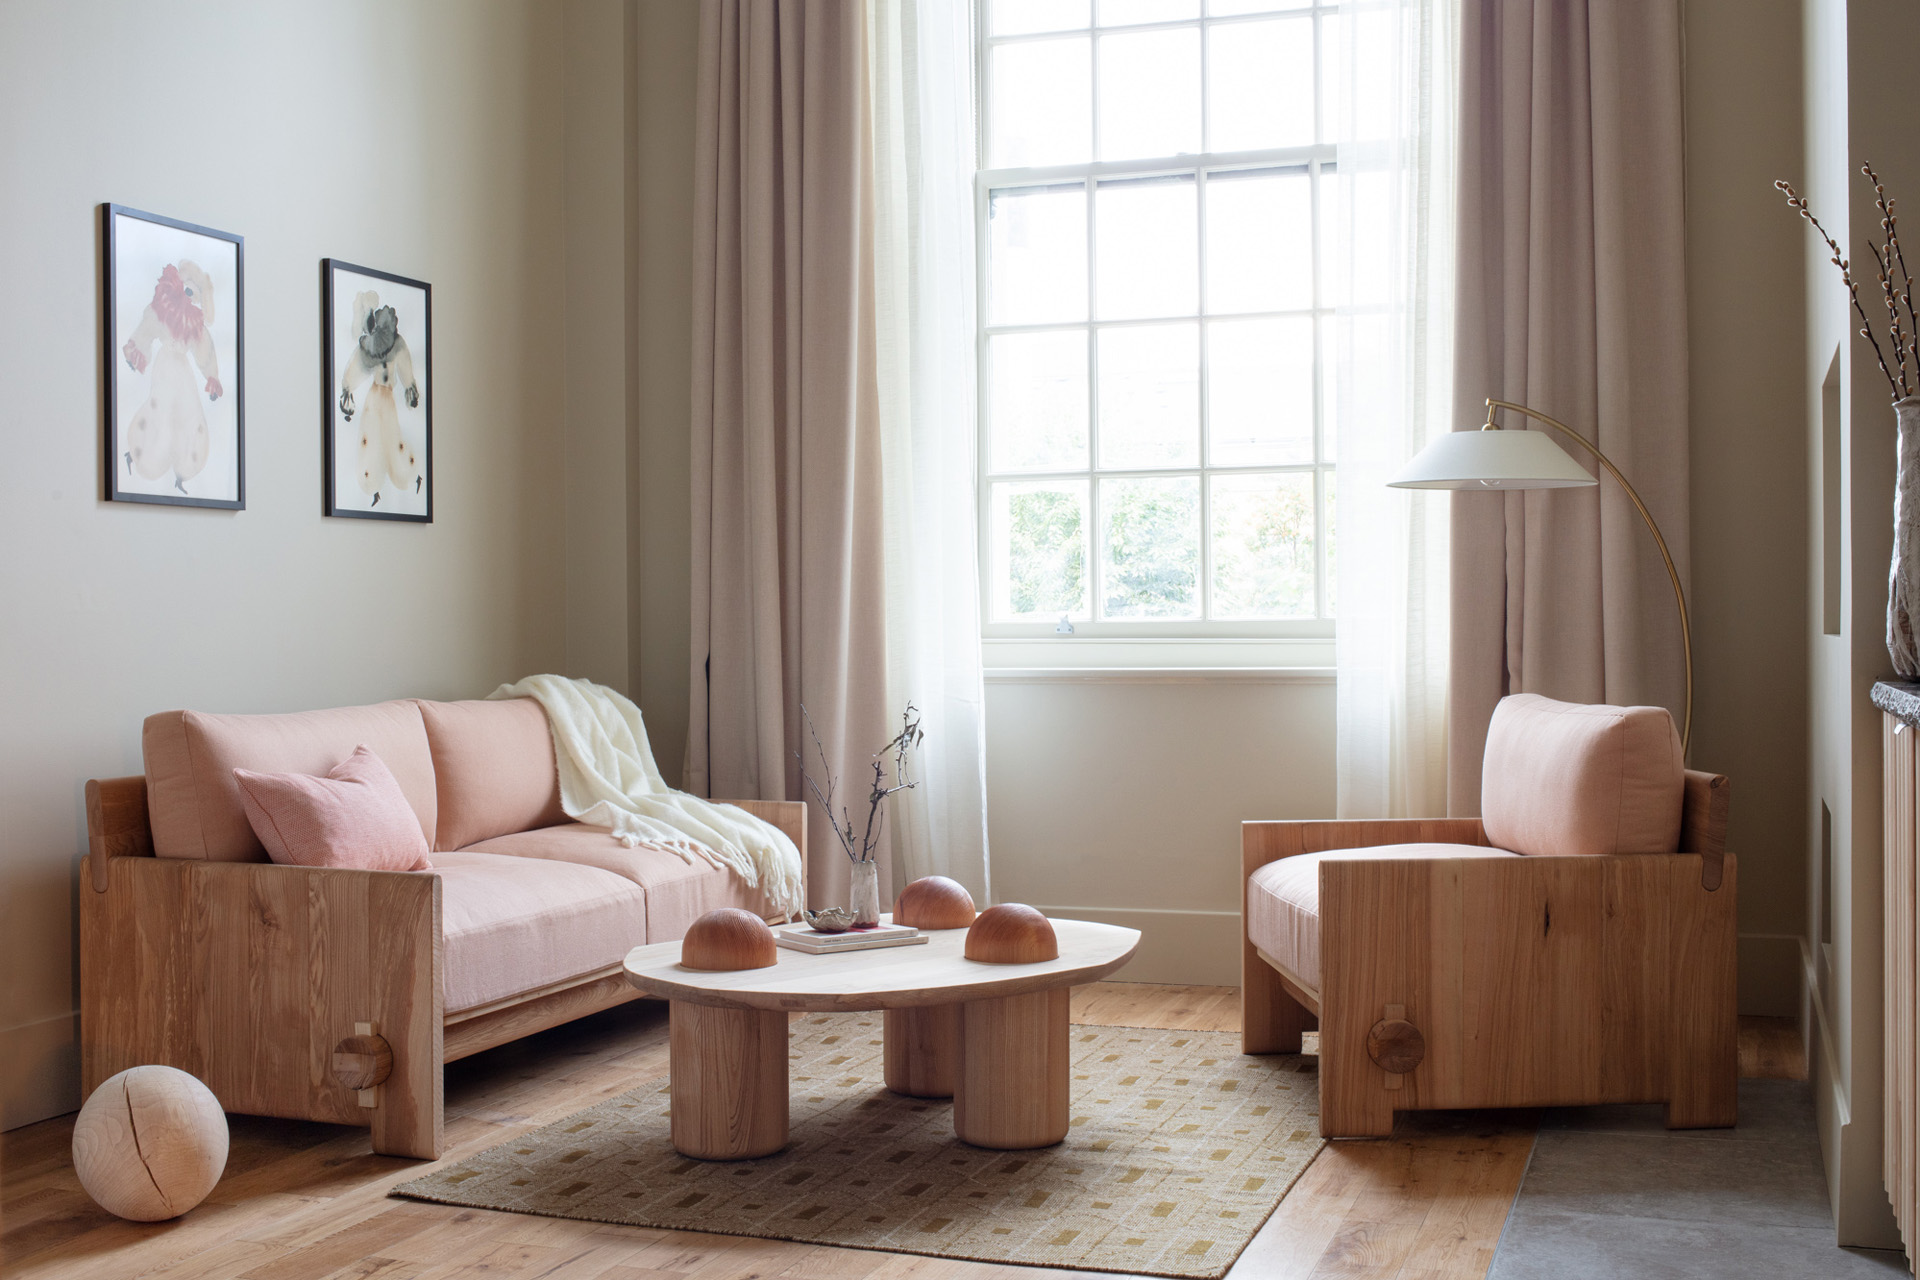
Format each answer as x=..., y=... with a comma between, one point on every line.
x=991, y=1036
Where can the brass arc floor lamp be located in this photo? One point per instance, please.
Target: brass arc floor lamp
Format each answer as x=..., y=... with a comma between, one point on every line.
x=1493, y=458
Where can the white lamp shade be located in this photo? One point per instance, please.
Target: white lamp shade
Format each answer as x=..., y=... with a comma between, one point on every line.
x=1496, y=459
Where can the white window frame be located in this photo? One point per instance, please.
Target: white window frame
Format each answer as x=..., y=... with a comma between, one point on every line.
x=1316, y=160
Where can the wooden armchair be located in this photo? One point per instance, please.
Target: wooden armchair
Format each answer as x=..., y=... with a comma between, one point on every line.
x=1503, y=981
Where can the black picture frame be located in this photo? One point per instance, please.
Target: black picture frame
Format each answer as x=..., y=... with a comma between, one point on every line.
x=136, y=378
x=350, y=392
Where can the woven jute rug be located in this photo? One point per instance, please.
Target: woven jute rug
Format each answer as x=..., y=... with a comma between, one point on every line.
x=1180, y=1148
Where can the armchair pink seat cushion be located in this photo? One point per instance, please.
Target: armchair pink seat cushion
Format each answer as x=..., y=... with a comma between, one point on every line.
x=678, y=890
x=354, y=816
x=1283, y=899
x=507, y=932
x=193, y=802
x=1563, y=778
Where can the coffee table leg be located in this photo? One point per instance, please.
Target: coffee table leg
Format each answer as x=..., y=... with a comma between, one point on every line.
x=923, y=1048
x=729, y=1081
x=1011, y=1089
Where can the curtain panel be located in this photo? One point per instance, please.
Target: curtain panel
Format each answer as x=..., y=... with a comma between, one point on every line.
x=1572, y=300
x=788, y=600
x=1389, y=269
x=833, y=433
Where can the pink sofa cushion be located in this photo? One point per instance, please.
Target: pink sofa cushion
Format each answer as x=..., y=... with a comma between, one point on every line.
x=493, y=764
x=1566, y=778
x=356, y=816
x=512, y=925
x=678, y=891
x=1283, y=899
x=194, y=803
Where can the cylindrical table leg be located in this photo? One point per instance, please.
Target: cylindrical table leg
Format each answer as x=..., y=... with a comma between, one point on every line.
x=1011, y=1090
x=729, y=1081
x=923, y=1048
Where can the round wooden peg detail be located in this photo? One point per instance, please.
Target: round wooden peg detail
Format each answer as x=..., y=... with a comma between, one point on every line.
x=1396, y=1045
x=361, y=1062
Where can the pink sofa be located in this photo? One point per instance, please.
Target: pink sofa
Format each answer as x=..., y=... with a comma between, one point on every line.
x=287, y=989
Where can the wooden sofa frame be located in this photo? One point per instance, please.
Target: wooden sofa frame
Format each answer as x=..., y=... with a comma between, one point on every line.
x=1507, y=982
x=300, y=992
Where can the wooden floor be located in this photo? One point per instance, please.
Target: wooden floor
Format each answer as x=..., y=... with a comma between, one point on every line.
x=308, y=1201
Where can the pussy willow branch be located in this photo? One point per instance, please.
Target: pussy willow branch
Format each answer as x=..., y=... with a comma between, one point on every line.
x=1846, y=278
x=826, y=801
x=909, y=736
x=1890, y=226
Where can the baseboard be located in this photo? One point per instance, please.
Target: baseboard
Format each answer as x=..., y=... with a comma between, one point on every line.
x=41, y=1070
x=1199, y=948
x=1771, y=975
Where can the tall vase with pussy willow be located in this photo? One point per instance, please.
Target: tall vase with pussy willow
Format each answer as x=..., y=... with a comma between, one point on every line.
x=1895, y=343
x=1903, y=577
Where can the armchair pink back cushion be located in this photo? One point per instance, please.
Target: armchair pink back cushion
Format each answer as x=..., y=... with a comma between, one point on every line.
x=1567, y=778
x=194, y=803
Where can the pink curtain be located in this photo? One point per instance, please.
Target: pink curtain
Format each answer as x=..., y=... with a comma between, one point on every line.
x=787, y=571
x=1571, y=299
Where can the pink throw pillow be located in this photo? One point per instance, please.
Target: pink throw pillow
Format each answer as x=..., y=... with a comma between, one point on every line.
x=356, y=816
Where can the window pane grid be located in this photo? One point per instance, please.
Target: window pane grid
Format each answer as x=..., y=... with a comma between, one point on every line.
x=1155, y=533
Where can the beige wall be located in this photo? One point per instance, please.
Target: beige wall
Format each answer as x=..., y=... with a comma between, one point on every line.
x=1746, y=303
x=1119, y=798
x=422, y=138
x=666, y=50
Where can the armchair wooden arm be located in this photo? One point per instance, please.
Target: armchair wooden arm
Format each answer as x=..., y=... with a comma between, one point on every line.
x=1535, y=982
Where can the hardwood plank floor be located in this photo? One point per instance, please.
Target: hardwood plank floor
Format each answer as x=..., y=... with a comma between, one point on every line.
x=308, y=1201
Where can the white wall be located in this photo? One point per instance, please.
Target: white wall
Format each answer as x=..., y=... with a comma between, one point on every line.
x=1120, y=798
x=423, y=138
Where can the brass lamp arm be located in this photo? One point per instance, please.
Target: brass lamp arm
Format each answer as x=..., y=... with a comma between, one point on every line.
x=1673, y=575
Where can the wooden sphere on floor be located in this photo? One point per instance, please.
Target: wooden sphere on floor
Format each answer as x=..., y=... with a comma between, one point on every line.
x=1012, y=933
x=934, y=902
x=150, y=1143
x=729, y=938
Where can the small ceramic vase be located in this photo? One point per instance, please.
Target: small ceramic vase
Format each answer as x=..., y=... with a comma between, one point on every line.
x=865, y=902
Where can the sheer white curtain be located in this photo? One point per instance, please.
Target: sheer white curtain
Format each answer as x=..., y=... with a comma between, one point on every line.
x=919, y=55
x=1389, y=250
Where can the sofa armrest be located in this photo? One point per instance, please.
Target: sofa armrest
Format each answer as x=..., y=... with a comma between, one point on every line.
x=117, y=824
x=249, y=974
x=1264, y=842
x=788, y=815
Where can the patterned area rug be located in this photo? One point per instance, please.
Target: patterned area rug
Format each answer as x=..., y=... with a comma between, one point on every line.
x=1179, y=1150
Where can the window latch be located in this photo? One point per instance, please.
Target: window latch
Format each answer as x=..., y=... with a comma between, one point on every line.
x=1065, y=626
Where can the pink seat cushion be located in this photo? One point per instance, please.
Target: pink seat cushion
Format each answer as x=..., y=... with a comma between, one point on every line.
x=494, y=768
x=512, y=925
x=678, y=891
x=194, y=803
x=1566, y=778
x=1283, y=899
x=355, y=816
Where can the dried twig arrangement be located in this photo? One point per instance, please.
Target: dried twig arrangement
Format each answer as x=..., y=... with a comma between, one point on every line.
x=901, y=743
x=1896, y=288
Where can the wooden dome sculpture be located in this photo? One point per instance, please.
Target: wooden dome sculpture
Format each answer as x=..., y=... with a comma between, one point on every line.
x=934, y=902
x=728, y=938
x=150, y=1143
x=1012, y=933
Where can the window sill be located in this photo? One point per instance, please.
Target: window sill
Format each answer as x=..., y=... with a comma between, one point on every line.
x=1155, y=661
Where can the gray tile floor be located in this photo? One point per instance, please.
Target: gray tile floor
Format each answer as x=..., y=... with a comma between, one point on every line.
x=1611, y=1193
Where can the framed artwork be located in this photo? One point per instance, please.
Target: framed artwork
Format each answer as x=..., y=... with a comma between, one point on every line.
x=176, y=362
x=377, y=394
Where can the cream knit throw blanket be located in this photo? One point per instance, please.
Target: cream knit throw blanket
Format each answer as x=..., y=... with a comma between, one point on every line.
x=608, y=779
